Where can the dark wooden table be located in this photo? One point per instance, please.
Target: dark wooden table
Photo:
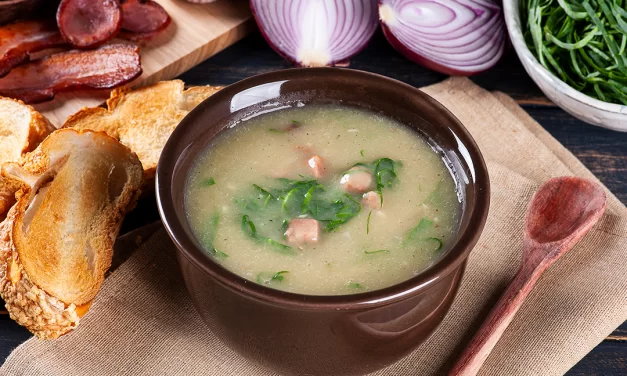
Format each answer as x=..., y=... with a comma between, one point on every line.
x=604, y=152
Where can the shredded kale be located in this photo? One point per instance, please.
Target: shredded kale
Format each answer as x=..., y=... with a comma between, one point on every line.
x=377, y=251
x=265, y=278
x=417, y=234
x=273, y=206
x=304, y=198
x=383, y=171
x=215, y=221
x=424, y=224
x=250, y=229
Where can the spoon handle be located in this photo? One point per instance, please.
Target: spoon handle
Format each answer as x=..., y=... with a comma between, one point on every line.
x=493, y=327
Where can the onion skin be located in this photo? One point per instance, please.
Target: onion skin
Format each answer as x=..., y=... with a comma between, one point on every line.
x=498, y=38
x=301, y=49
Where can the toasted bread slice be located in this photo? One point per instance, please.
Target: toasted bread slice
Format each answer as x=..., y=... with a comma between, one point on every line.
x=8, y=188
x=57, y=241
x=143, y=119
x=21, y=129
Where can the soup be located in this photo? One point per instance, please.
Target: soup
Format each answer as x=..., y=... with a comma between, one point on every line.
x=322, y=200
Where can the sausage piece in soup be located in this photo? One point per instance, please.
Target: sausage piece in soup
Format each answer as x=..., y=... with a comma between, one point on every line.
x=323, y=200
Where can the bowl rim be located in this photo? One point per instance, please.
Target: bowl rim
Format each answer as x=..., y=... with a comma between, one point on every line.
x=450, y=262
x=511, y=13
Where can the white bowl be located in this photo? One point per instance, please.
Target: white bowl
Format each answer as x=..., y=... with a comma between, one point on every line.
x=591, y=110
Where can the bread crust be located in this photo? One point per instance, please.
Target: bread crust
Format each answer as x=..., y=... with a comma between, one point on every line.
x=23, y=129
x=8, y=189
x=39, y=127
x=27, y=304
x=143, y=119
x=56, y=243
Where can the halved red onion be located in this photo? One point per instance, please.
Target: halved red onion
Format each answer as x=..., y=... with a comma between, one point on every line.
x=316, y=33
x=455, y=37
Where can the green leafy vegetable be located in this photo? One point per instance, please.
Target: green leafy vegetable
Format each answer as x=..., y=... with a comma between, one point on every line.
x=308, y=198
x=377, y=251
x=361, y=152
x=268, y=196
x=384, y=175
x=216, y=253
x=424, y=224
x=273, y=208
x=368, y=223
x=383, y=171
x=354, y=285
x=265, y=278
x=278, y=276
x=437, y=241
x=215, y=221
x=581, y=42
x=418, y=234
x=274, y=130
x=249, y=228
x=208, y=182
x=284, y=225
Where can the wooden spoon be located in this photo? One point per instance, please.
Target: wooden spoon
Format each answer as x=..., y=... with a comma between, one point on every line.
x=561, y=212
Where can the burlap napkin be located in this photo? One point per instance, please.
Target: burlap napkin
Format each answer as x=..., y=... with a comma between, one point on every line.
x=143, y=322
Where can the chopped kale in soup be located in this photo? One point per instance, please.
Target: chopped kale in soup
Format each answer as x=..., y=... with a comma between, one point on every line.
x=322, y=200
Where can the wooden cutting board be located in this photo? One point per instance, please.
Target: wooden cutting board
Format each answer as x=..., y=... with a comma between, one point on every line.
x=197, y=32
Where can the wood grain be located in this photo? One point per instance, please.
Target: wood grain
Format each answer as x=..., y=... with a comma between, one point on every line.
x=197, y=32
x=607, y=359
x=619, y=335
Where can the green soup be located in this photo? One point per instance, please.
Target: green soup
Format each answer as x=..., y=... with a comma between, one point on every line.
x=323, y=200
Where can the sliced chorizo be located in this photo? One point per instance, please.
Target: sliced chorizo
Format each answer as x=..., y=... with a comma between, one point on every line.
x=88, y=23
x=143, y=19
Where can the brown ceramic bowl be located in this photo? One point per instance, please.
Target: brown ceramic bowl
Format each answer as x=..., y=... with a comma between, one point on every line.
x=321, y=335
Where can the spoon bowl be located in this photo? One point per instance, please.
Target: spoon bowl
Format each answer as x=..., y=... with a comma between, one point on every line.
x=561, y=206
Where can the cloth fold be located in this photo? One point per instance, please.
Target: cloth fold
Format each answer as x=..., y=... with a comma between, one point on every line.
x=143, y=322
